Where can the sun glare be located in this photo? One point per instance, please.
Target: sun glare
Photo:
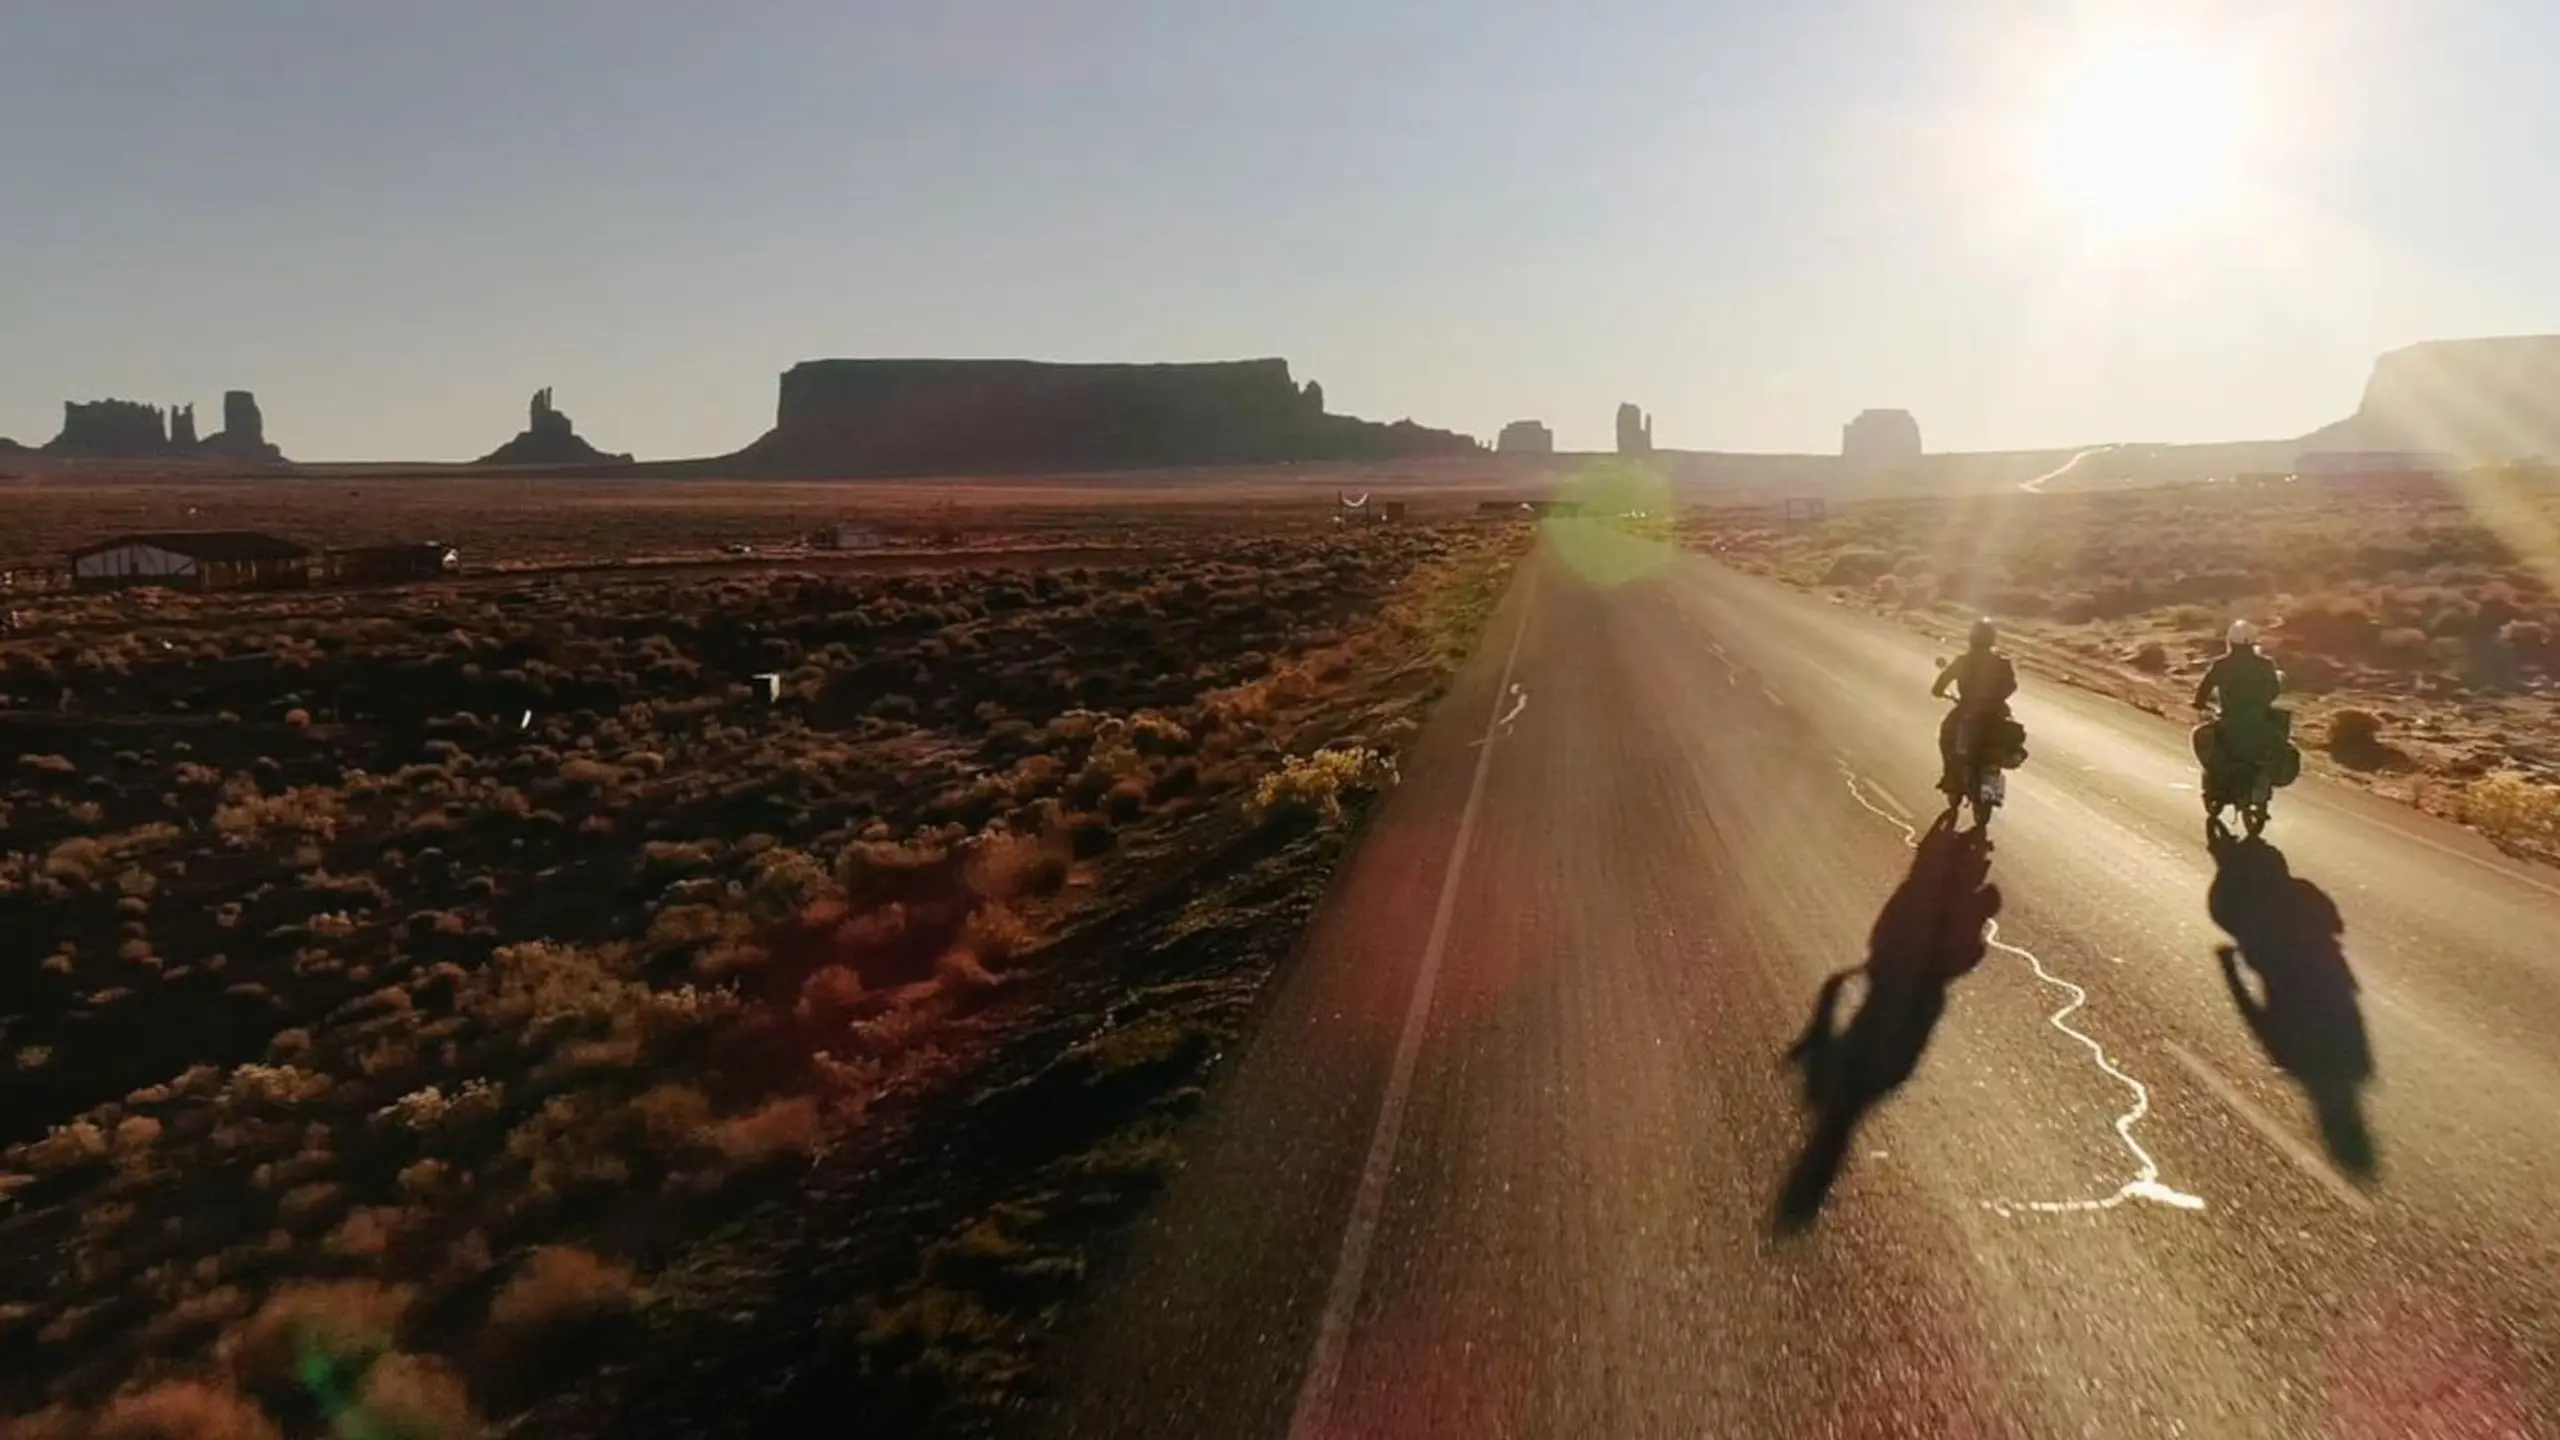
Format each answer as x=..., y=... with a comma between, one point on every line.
x=2144, y=135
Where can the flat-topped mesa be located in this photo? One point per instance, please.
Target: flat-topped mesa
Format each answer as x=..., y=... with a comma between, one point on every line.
x=943, y=417
x=111, y=428
x=548, y=438
x=2488, y=399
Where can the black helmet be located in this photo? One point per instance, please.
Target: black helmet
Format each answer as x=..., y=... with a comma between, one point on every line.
x=1985, y=634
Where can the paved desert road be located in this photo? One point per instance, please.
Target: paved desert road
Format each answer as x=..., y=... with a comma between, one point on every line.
x=1649, y=1073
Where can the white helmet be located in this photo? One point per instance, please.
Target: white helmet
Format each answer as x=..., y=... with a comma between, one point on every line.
x=2242, y=633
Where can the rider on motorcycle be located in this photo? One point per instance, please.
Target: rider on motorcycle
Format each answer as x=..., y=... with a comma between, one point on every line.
x=2246, y=684
x=1984, y=680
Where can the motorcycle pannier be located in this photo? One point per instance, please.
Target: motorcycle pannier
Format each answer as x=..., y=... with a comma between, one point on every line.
x=2005, y=740
x=2286, y=767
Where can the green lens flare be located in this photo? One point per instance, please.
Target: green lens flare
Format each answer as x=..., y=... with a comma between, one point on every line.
x=1614, y=526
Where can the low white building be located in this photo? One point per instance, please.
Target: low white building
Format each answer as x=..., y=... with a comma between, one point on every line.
x=852, y=537
x=199, y=560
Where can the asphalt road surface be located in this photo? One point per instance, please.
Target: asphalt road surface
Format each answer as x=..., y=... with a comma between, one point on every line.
x=1655, y=1068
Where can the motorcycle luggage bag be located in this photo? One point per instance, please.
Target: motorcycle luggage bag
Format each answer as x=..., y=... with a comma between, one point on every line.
x=2005, y=742
x=2286, y=767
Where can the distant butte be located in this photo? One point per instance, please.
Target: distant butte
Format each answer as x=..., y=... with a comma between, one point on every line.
x=857, y=418
x=549, y=438
x=117, y=428
x=244, y=430
x=132, y=430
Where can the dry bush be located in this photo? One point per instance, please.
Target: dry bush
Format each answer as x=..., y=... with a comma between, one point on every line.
x=368, y=1232
x=998, y=935
x=346, y=1323
x=182, y=1410
x=790, y=1125
x=830, y=994
x=54, y=1422
x=412, y=1397
x=1003, y=867
x=2355, y=731
x=1857, y=567
x=963, y=974
x=1312, y=787
x=2512, y=808
x=560, y=1290
x=672, y=1115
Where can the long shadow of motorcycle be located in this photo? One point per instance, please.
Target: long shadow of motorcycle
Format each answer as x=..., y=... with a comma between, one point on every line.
x=2287, y=972
x=1929, y=933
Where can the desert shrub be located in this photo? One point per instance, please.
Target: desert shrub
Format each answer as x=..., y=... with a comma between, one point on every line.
x=2339, y=627
x=1125, y=801
x=346, y=1323
x=1005, y=866
x=996, y=934
x=2151, y=657
x=830, y=994
x=412, y=1397
x=2511, y=807
x=879, y=871
x=1312, y=787
x=182, y=1410
x=2310, y=673
x=2404, y=645
x=785, y=1126
x=561, y=1289
x=367, y=1231
x=2354, y=730
x=1856, y=566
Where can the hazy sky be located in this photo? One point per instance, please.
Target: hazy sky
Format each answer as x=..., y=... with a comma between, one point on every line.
x=395, y=220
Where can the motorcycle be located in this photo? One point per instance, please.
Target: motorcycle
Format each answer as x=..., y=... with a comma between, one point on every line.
x=2236, y=782
x=1981, y=780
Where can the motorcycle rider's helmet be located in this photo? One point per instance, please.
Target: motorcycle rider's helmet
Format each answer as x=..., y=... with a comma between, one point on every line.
x=1985, y=634
x=2242, y=633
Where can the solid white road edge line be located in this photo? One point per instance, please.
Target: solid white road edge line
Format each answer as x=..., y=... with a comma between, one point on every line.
x=1360, y=1231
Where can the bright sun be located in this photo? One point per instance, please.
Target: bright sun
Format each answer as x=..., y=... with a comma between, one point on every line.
x=2144, y=135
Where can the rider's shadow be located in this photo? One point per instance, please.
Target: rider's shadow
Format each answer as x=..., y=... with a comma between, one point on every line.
x=2303, y=1008
x=1929, y=932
